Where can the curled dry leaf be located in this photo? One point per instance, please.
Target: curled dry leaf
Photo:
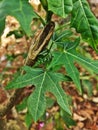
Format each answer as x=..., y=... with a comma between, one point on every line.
x=11, y=24
x=80, y=125
x=95, y=99
x=78, y=117
x=87, y=113
x=35, y=4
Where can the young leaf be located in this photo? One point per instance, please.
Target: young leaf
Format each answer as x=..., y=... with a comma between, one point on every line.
x=21, y=10
x=62, y=39
x=60, y=7
x=85, y=22
x=45, y=81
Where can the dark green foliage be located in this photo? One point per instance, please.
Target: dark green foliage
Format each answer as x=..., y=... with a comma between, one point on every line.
x=44, y=81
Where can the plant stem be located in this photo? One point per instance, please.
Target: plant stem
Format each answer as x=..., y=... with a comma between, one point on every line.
x=48, y=16
x=41, y=19
x=34, y=50
x=44, y=3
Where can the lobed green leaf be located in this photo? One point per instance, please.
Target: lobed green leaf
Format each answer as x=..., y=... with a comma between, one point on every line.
x=44, y=81
x=67, y=56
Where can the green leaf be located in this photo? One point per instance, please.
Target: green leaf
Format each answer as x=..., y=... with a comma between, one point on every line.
x=21, y=10
x=62, y=39
x=37, y=103
x=53, y=86
x=2, y=24
x=62, y=36
x=49, y=102
x=45, y=81
x=67, y=56
x=28, y=119
x=27, y=79
x=67, y=119
x=85, y=22
x=22, y=105
x=60, y=7
x=89, y=63
x=62, y=58
x=17, y=33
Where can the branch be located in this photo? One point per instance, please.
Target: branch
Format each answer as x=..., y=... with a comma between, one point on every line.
x=36, y=47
